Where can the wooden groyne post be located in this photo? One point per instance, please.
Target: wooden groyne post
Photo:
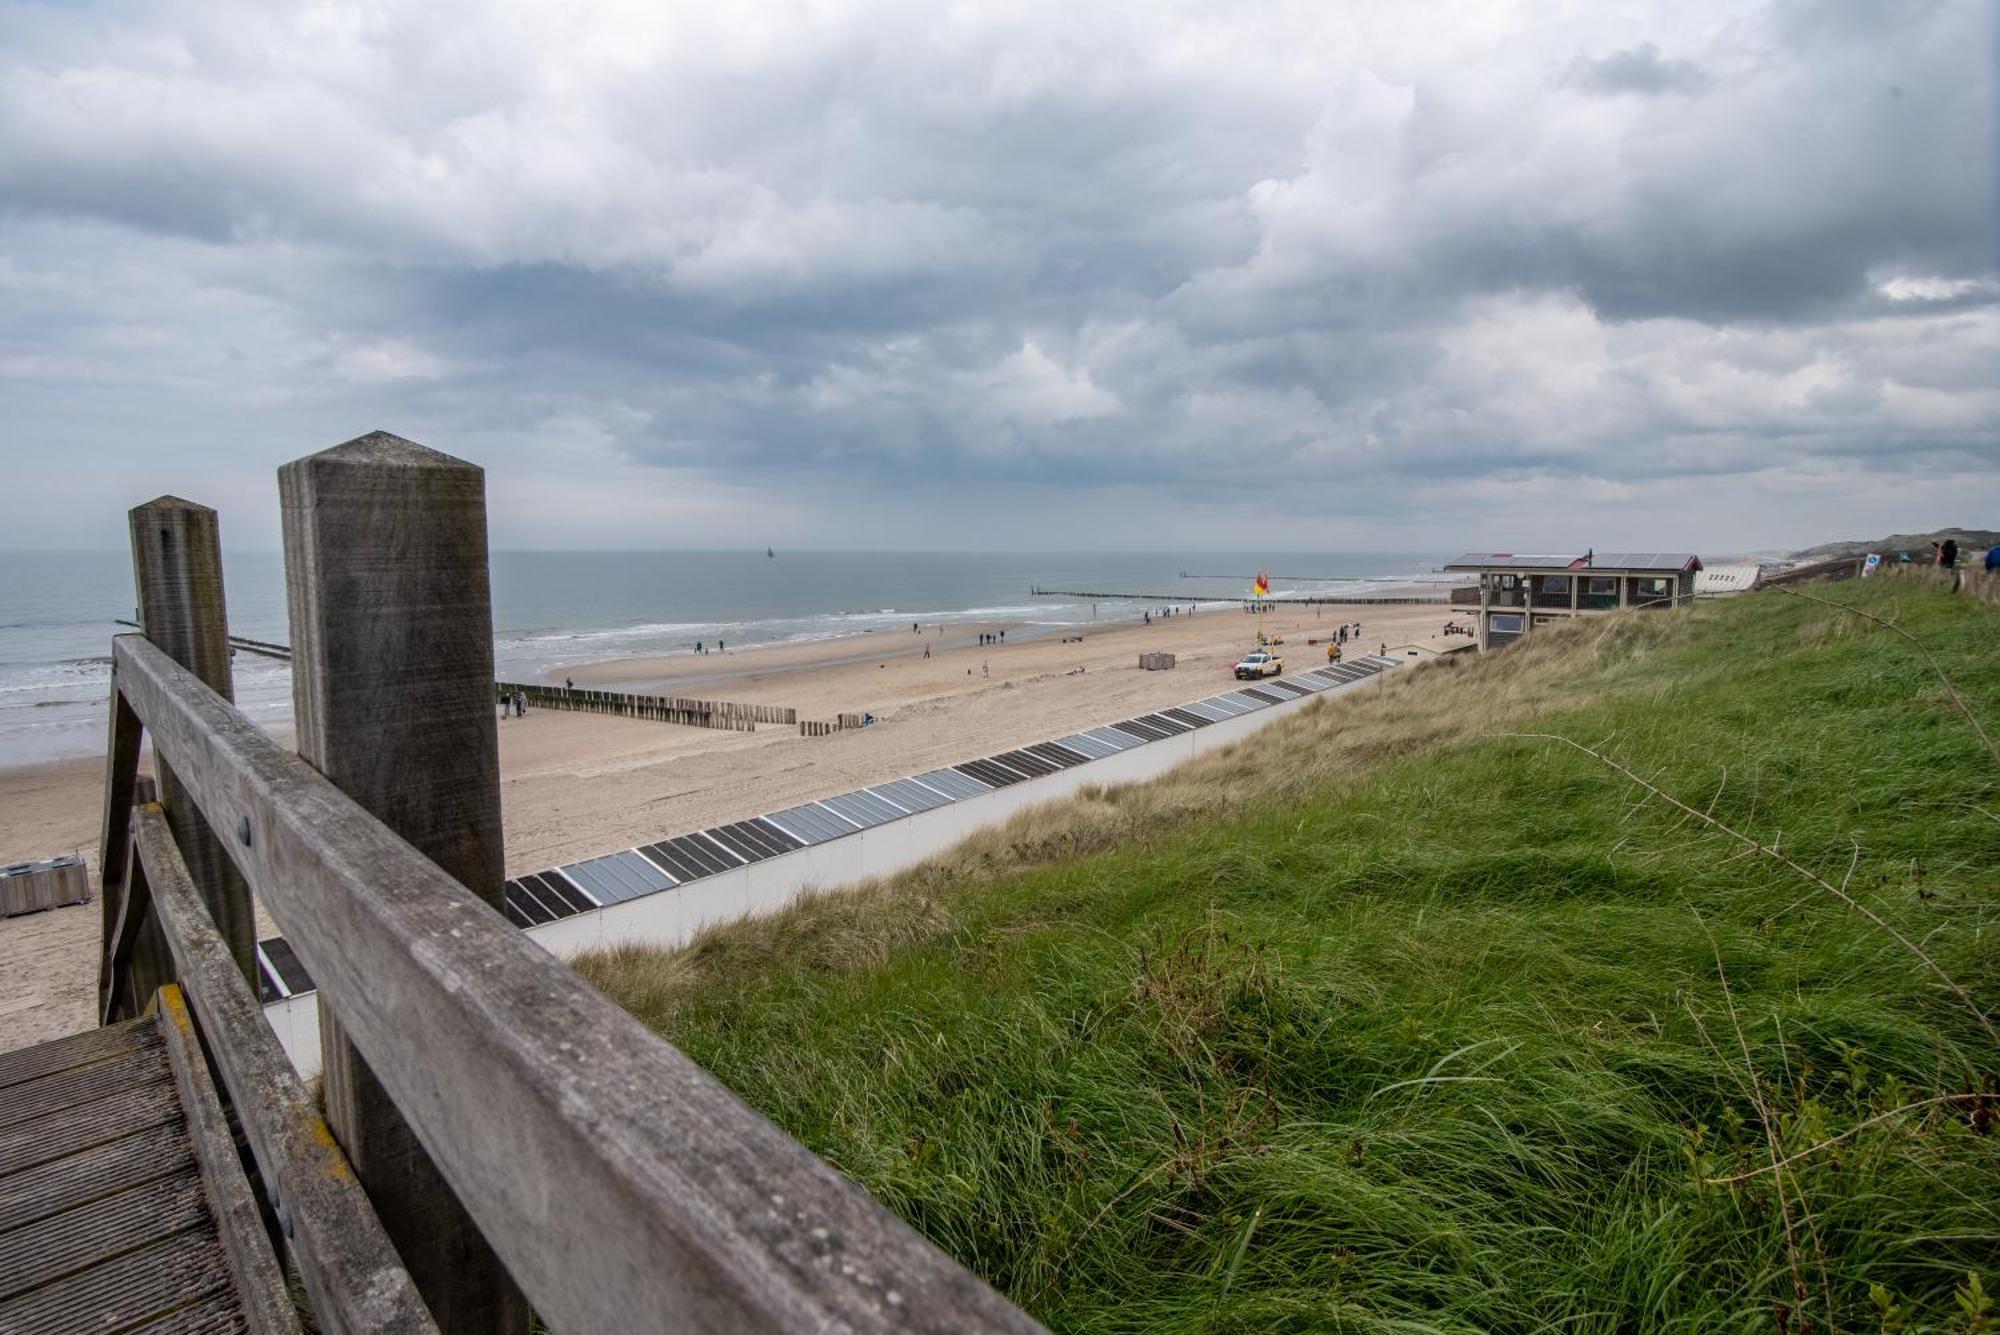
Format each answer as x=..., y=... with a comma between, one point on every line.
x=392, y=685
x=722, y=714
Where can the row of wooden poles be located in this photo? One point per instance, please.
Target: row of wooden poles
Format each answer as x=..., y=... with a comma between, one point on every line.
x=809, y=727
x=724, y=714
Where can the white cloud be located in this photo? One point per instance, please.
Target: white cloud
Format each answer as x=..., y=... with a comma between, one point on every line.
x=1384, y=251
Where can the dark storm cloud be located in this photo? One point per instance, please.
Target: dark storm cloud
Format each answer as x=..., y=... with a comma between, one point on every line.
x=1306, y=261
x=1640, y=69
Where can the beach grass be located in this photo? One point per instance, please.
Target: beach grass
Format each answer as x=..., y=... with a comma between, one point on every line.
x=1403, y=1017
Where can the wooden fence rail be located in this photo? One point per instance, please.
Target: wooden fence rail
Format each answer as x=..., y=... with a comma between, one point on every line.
x=621, y=1187
x=350, y=1271
x=659, y=708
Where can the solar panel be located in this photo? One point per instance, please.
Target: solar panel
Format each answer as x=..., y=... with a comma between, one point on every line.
x=1206, y=712
x=1032, y=766
x=863, y=809
x=737, y=844
x=1116, y=739
x=604, y=891
x=553, y=887
x=617, y=877
x=1263, y=697
x=1227, y=704
x=754, y=839
x=1193, y=720
x=1057, y=754
x=285, y=967
x=522, y=909
x=1290, y=688
x=1086, y=745
x=990, y=774
x=529, y=894
x=954, y=783
x=811, y=823
x=911, y=795
x=690, y=857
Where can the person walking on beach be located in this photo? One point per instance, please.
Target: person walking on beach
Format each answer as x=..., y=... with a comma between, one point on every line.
x=721, y=648
x=569, y=683
x=927, y=649
x=520, y=705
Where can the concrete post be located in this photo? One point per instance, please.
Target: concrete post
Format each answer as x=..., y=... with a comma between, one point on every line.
x=392, y=683
x=177, y=573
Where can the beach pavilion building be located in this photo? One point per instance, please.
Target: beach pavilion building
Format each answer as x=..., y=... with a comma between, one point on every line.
x=1518, y=593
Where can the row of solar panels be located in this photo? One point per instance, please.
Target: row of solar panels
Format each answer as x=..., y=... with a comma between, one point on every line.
x=560, y=892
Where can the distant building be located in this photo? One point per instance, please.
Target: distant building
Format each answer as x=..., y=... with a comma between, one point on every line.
x=1719, y=581
x=1516, y=594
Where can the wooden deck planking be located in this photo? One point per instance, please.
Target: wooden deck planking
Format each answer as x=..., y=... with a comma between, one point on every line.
x=104, y=1221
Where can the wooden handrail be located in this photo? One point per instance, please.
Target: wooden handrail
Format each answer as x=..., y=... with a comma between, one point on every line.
x=351, y=1272
x=624, y=1187
x=246, y=1249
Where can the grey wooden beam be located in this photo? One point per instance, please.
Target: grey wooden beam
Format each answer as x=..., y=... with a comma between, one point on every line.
x=352, y=1276
x=624, y=1186
x=392, y=688
x=177, y=571
x=121, y=770
x=253, y=1266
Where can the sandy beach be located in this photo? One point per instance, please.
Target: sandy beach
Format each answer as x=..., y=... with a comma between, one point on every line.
x=576, y=785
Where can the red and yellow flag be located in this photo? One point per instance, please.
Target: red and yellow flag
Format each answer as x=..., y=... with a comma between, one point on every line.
x=1263, y=584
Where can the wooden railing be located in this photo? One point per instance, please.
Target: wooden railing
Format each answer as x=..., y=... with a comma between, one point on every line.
x=620, y=1186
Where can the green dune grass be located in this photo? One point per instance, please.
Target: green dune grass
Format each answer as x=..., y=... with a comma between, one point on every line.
x=1386, y=1021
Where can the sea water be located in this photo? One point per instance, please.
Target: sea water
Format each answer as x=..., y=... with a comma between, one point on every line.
x=58, y=610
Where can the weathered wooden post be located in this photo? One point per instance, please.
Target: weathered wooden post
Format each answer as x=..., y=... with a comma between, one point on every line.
x=392, y=682
x=177, y=572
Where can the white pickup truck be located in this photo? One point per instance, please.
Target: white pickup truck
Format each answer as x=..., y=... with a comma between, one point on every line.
x=1252, y=667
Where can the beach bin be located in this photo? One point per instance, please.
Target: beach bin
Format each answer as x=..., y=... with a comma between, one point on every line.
x=30, y=887
x=1155, y=662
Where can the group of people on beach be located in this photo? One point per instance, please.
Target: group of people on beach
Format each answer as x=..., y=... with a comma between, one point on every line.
x=701, y=647
x=514, y=700
x=988, y=637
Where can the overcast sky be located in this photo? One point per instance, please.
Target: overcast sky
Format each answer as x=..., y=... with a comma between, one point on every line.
x=1319, y=276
